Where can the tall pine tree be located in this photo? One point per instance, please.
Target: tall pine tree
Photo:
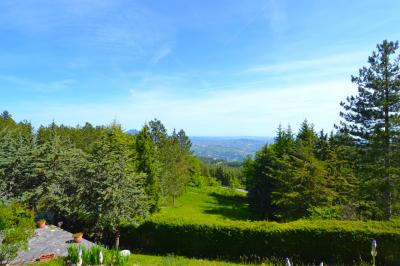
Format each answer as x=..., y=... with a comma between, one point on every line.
x=372, y=118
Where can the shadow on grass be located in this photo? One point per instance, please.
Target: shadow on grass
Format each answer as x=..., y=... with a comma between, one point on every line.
x=233, y=207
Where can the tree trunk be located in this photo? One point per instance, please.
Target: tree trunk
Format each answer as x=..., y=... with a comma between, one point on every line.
x=117, y=236
x=388, y=187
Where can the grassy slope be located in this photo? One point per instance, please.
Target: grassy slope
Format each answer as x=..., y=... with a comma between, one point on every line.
x=217, y=205
x=210, y=204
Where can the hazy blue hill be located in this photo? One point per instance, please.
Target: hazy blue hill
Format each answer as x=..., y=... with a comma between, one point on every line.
x=132, y=131
x=228, y=148
x=225, y=148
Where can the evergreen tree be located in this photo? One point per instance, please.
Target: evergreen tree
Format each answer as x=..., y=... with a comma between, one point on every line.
x=6, y=123
x=261, y=182
x=372, y=118
x=158, y=132
x=184, y=141
x=296, y=175
x=115, y=194
x=146, y=162
x=16, y=165
x=59, y=171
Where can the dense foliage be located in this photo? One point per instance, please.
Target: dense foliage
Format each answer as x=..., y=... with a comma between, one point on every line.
x=93, y=179
x=333, y=242
x=227, y=173
x=16, y=226
x=301, y=175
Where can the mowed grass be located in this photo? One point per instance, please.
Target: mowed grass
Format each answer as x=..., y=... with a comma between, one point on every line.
x=209, y=204
x=152, y=260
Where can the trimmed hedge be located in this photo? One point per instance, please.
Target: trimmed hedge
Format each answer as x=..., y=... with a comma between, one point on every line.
x=307, y=241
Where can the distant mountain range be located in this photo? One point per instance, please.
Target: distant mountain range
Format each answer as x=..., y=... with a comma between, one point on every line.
x=228, y=148
x=225, y=148
x=133, y=131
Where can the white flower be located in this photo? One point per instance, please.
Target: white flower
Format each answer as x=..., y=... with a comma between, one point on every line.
x=373, y=248
x=101, y=257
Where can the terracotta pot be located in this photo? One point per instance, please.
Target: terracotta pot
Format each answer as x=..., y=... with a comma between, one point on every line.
x=78, y=239
x=41, y=224
x=46, y=257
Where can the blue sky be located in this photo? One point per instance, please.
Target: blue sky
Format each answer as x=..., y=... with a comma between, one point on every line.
x=221, y=67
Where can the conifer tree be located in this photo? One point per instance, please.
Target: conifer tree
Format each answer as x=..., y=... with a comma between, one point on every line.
x=158, y=132
x=146, y=162
x=59, y=171
x=372, y=118
x=16, y=165
x=184, y=141
x=115, y=193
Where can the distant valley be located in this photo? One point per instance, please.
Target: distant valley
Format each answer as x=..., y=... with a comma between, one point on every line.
x=228, y=148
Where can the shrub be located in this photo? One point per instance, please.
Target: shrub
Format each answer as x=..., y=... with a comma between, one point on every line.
x=308, y=241
x=326, y=213
x=16, y=227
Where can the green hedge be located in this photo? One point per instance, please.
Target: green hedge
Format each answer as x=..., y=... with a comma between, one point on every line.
x=307, y=241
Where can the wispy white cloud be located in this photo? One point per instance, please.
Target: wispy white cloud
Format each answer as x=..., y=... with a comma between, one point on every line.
x=249, y=111
x=30, y=85
x=106, y=25
x=160, y=54
x=322, y=63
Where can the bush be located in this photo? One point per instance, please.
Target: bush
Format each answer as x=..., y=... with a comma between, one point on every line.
x=308, y=241
x=16, y=227
x=204, y=181
x=325, y=213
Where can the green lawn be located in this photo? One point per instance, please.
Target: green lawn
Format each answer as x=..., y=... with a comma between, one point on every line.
x=208, y=204
x=150, y=260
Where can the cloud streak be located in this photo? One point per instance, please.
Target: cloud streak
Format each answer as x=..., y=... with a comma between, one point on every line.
x=256, y=110
x=105, y=25
x=23, y=84
x=322, y=63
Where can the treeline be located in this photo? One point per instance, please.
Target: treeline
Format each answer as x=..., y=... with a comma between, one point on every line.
x=90, y=178
x=228, y=174
x=353, y=173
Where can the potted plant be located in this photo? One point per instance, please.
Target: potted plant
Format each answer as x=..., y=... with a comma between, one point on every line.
x=47, y=257
x=41, y=223
x=78, y=237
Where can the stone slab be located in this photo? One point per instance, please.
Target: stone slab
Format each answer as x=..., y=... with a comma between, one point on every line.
x=46, y=241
